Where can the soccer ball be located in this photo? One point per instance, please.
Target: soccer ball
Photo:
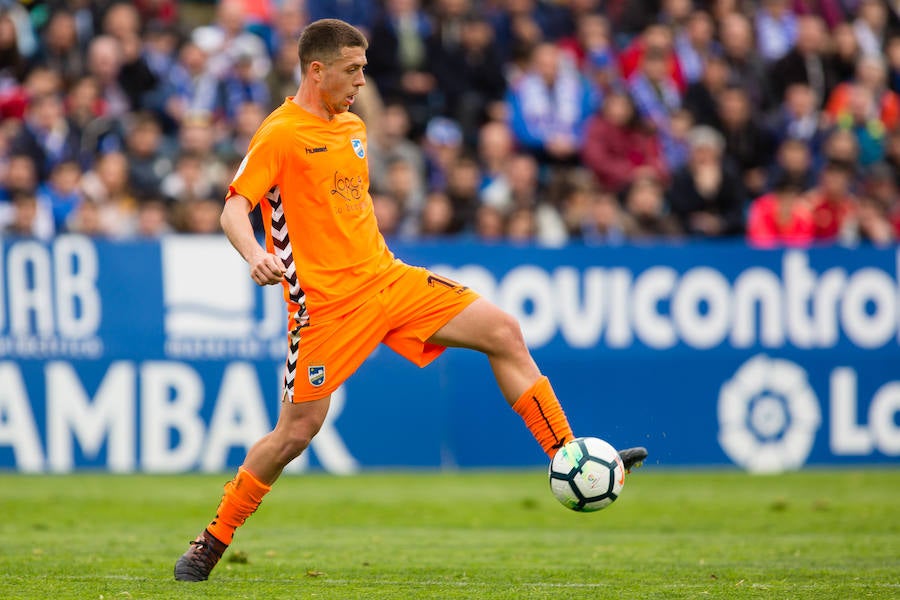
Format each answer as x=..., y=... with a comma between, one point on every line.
x=587, y=474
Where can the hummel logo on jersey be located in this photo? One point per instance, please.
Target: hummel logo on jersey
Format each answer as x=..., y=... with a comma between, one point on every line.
x=319, y=149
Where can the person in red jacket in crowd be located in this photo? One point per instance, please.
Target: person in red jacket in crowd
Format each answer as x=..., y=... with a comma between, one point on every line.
x=781, y=217
x=832, y=203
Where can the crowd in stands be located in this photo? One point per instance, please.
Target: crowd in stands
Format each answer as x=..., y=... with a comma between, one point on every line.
x=569, y=121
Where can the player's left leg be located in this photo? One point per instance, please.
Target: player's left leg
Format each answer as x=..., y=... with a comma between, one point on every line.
x=482, y=326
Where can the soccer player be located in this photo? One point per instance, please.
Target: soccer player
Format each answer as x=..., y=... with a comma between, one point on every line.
x=345, y=292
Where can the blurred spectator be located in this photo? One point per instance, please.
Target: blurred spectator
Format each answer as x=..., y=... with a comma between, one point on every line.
x=247, y=118
x=656, y=96
x=794, y=161
x=244, y=83
x=706, y=197
x=747, y=142
x=892, y=153
x=360, y=13
x=61, y=50
x=549, y=106
x=521, y=225
x=283, y=79
x=840, y=146
x=870, y=26
x=398, y=59
x=47, y=137
x=799, y=118
x=862, y=118
x=695, y=45
x=467, y=67
x=199, y=216
x=490, y=224
x=845, y=51
x=781, y=217
x=437, y=216
x=776, y=29
x=26, y=218
x=389, y=141
x=60, y=193
x=807, y=62
x=892, y=55
x=227, y=38
x=495, y=148
x=521, y=187
x=106, y=187
x=645, y=204
x=442, y=145
x=153, y=218
x=403, y=185
x=833, y=206
x=871, y=74
x=387, y=214
x=189, y=180
x=89, y=218
x=657, y=38
x=105, y=55
x=191, y=87
x=701, y=96
x=747, y=68
x=604, y=222
x=463, y=184
x=617, y=146
x=872, y=223
x=20, y=177
x=148, y=158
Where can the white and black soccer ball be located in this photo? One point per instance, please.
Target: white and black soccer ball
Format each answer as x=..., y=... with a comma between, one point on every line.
x=587, y=474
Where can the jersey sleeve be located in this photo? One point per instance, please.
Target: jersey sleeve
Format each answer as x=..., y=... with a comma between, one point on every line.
x=262, y=165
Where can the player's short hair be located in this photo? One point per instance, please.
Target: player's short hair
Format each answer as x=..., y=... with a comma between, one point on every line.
x=324, y=39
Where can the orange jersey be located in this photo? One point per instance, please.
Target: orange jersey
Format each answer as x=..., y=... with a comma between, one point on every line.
x=311, y=178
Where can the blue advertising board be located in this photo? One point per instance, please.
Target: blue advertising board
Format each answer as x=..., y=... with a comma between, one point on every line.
x=165, y=357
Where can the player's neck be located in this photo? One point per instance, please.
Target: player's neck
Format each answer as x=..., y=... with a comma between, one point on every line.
x=309, y=100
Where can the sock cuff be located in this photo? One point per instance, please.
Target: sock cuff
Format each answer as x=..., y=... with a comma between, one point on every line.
x=538, y=389
x=250, y=485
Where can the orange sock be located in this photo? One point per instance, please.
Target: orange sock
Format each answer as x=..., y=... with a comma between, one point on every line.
x=240, y=500
x=544, y=417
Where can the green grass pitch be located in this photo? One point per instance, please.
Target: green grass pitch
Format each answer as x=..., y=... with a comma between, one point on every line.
x=479, y=535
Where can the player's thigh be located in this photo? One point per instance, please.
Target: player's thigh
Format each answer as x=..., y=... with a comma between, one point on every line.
x=330, y=352
x=480, y=326
x=418, y=305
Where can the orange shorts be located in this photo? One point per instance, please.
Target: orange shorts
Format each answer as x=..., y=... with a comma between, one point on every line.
x=322, y=355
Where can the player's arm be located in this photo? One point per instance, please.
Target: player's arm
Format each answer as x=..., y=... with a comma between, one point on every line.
x=265, y=268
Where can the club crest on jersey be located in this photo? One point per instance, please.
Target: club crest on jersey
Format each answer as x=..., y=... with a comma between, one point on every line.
x=358, y=147
x=316, y=375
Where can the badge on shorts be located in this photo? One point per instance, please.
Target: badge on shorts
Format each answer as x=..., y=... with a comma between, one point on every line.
x=316, y=375
x=358, y=147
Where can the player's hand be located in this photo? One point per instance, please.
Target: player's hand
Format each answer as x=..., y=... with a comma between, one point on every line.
x=266, y=269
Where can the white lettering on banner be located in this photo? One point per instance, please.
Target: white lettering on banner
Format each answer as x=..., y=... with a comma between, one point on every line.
x=699, y=308
x=173, y=436
x=171, y=399
x=49, y=301
x=851, y=438
x=17, y=427
x=239, y=418
x=72, y=415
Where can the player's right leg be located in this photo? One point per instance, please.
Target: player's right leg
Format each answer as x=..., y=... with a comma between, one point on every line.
x=297, y=424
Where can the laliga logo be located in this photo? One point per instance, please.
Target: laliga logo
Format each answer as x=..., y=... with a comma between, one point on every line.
x=768, y=416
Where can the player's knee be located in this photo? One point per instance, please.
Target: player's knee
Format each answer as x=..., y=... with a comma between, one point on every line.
x=295, y=439
x=505, y=335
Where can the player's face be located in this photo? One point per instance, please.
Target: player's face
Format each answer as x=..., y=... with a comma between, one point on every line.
x=342, y=80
